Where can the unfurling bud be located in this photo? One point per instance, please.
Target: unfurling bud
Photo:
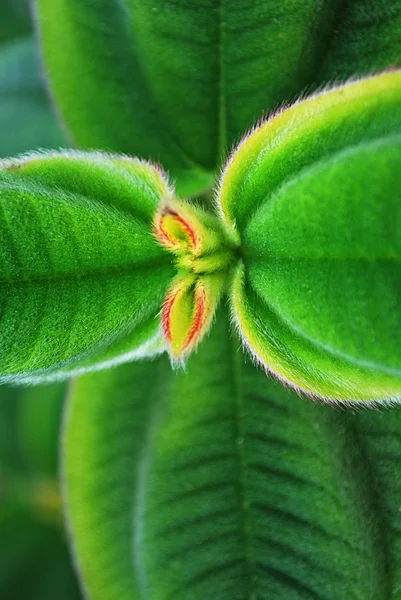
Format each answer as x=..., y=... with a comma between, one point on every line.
x=188, y=311
x=186, y=229
x=203, y=259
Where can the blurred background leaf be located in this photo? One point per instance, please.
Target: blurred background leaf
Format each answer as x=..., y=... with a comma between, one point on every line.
x=34, y=558
x=26, y=117
x=27, y=120
x=181, y=81
x=15, y=19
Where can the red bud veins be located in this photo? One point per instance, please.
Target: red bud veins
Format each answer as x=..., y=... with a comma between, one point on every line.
x=203, y=258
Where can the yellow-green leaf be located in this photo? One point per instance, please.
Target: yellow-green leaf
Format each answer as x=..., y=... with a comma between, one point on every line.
x=314, y=197
x=82, y=277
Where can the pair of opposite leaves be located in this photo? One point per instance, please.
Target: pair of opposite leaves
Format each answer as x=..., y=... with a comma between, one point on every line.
x=305, y=242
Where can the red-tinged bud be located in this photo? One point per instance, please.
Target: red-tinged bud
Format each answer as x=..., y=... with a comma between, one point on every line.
x=203, y=258
x=177, y=313
x=186, y=229
x=177, y=232
x=188, y=311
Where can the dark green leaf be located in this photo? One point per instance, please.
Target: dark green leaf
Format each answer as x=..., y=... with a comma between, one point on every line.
x=216, y=483
x=366, y=39
x=82, y=278
x=34, y=561
x=15, y=19
x=10, y=455
x=180, y=81
x=38, y=432
x=29, y=430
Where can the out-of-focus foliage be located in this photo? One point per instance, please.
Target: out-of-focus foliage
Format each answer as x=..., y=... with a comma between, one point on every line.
x=26, y=117
x=34, y=559
x=180, y=81
x=27, y=120
x=30, y=421
x=15, y=20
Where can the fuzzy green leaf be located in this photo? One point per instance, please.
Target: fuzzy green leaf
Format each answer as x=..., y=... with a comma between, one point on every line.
x=314, y=196
x=82, y=278
x=180, y=81
x=220, y=484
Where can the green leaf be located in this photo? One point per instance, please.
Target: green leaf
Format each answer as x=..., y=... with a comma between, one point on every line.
x=366, y=39
x=82, y=278
x=26, y=118
x=180, y=81
x=108, y=428
x=217, y=483
x=314, y=196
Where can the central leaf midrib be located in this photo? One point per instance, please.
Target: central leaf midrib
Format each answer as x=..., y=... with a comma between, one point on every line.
x=243, y=466
x=222, y=108
x=188, y=161
x=256, y=256
x=113, y=272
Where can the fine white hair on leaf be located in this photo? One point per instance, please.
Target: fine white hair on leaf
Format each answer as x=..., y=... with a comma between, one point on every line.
x=149, y=349
x=95, y=156
x=376, y=404
x=269, y=116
